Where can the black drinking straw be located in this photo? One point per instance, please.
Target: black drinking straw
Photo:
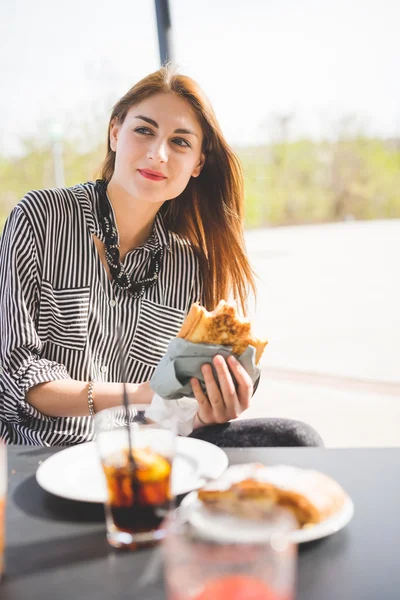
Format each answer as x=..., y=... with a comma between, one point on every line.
x=125, y=396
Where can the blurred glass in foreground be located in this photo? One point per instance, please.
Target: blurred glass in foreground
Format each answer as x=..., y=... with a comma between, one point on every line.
x=197, y=568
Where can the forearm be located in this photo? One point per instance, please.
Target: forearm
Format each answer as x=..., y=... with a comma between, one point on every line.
x=69, y=398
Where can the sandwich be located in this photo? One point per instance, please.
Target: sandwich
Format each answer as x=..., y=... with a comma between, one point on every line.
x=223, y=327
x=249, y=491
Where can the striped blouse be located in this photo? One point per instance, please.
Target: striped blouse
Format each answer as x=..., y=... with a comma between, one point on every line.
x=60, y=312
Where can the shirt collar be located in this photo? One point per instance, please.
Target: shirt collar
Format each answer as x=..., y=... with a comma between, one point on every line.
x=160, y=231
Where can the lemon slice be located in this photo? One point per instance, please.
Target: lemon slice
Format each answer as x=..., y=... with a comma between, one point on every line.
x=151, y=466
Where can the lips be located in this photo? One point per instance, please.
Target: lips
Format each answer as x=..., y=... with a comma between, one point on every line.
x=153, y=175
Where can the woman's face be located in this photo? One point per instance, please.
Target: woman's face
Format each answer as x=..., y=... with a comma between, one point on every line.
x=157, y=148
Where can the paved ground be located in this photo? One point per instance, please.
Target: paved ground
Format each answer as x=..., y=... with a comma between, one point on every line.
x=329, y=303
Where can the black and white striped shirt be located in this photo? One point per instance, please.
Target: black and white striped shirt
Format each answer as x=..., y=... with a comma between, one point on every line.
x=59, y=310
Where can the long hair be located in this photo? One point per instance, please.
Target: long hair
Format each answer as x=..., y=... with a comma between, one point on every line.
x=209, y=212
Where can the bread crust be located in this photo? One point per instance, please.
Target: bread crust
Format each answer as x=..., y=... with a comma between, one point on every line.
x=222, y=326
x=191, y=321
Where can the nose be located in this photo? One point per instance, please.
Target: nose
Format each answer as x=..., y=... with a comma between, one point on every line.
x=158, y=151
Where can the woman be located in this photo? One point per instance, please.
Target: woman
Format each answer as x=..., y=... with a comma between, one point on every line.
x=160, y=230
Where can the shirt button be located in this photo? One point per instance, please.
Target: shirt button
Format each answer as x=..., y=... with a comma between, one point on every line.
x=103, y=368
x=112, y=303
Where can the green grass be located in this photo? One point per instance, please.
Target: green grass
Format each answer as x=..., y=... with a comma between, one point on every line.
x=285, y=183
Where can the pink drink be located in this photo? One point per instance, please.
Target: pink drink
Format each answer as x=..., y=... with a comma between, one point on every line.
x=234, y=587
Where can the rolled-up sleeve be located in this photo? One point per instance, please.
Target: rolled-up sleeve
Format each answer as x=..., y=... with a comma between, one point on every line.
x=21, y=365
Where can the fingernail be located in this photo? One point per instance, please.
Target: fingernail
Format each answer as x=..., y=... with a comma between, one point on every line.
x=234, y=360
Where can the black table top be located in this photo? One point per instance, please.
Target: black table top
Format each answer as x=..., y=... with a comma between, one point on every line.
x=56, y=548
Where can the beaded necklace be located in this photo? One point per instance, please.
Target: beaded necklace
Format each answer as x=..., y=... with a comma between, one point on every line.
x=109, y=230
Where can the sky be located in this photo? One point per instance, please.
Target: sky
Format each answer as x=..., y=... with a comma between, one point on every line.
x=64, y=65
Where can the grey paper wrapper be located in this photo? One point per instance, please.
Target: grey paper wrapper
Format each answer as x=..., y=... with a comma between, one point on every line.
x=183, y=360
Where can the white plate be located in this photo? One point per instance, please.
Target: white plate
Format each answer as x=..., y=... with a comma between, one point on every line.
x=217, y=527
x=76, y=474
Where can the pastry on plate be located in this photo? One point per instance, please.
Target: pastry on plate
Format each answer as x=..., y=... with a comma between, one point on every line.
x=222, y=326
x=250, y=490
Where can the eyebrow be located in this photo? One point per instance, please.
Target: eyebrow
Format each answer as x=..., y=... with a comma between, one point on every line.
x=155, y=124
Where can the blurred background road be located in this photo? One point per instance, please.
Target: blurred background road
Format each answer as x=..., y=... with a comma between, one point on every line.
x=329, y=304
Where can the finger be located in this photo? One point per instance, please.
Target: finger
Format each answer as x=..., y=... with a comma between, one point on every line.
x=230, y=398
x=205, y=409
x=214, y=394
x=243, y=379
x=200, y=396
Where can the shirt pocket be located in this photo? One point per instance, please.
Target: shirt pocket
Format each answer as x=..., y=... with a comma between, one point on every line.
x=63, y=316
x=157, y=325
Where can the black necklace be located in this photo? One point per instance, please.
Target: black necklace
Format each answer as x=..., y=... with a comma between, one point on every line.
x=136, y=288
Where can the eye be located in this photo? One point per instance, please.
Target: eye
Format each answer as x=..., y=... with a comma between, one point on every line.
x=181, y=142
x=143, y=130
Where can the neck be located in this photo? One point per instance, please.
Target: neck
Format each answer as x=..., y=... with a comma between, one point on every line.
x=134, y=218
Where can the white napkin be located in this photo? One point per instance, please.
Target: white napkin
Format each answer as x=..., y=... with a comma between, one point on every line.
x=180, y=413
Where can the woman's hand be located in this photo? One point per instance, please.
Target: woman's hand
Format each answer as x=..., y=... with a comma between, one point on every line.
x=222, y=403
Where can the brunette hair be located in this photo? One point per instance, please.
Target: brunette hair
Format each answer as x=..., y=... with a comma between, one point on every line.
x=209, y=212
